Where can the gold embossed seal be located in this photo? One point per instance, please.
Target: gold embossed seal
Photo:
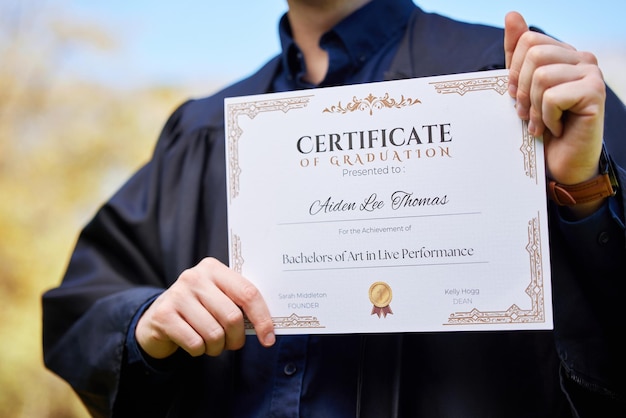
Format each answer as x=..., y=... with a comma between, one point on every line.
x=380, y=296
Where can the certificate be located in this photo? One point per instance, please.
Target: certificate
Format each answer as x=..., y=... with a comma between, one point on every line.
x=402, y=206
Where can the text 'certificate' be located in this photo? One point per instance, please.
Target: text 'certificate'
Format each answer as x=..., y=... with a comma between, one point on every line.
x=401, y=206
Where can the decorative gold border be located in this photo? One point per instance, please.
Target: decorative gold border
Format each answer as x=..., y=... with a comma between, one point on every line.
x=237, y=258
x=371, y=103
x=251, y=109
x=534, y=290
x=291, y=321
x=500, y=85
x=466, y=85
x=282, y=322
x=529, y=150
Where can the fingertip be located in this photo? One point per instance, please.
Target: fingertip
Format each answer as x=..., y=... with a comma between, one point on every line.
x=511, y=15
x=265, y=332
x=512, y=90
x=514, y=20
x=268, y=339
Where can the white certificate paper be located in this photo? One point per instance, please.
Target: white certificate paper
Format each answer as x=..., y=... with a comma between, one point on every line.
x=403, y=206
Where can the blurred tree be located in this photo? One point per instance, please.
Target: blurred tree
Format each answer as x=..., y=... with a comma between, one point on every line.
x=64, y=147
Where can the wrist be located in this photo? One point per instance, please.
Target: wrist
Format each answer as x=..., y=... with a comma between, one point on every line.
x=586, y=196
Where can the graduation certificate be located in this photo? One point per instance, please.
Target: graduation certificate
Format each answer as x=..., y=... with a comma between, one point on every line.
x=402, y=206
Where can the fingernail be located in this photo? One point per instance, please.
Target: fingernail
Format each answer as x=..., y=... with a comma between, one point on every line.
x=270, y=339
x=522, y=112
x=512, y=90
x=531, y=128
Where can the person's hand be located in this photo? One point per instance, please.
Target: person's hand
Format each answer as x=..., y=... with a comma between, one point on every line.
x=560, y=92
x=203, y=313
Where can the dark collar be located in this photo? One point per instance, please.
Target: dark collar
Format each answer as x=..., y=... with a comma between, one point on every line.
x=353, y=40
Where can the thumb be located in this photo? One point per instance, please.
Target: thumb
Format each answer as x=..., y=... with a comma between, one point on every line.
x=514, y=27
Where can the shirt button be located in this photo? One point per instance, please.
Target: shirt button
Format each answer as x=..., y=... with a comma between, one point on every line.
x=603, y=238
x=290, y=369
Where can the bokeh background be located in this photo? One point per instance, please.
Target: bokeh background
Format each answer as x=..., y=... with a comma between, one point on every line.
x=85, y=88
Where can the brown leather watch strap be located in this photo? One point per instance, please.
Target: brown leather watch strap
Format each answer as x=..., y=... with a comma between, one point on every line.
x=588, y=191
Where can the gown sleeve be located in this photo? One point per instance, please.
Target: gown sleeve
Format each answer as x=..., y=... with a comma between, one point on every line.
x=122, y=260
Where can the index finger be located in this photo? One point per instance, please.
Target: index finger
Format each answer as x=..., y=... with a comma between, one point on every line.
x=246, y=295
